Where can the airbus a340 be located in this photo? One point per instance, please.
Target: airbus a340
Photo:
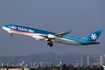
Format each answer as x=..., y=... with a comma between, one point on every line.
x=51, y=37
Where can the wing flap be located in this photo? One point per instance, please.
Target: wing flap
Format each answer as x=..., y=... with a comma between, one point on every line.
x=55, y=36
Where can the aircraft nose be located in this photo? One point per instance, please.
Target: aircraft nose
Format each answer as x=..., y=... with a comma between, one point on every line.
x=3, y=27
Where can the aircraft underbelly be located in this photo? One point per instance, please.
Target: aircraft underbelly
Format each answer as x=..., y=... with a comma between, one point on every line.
x=66, y=41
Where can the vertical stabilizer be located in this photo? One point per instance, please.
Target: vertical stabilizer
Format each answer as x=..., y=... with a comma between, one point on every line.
x=94, y=36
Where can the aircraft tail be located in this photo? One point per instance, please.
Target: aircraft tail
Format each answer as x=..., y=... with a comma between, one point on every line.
x=94, y=36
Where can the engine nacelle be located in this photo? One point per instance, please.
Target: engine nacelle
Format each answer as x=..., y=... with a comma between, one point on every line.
x=39, y=37
x=52, y=36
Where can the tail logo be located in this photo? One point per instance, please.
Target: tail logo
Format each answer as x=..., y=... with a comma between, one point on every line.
x=94, y=36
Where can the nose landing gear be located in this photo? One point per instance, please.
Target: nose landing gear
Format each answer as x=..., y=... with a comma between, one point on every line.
x=11, y=35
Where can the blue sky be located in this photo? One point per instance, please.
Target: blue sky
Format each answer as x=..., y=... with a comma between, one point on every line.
x=81, y=16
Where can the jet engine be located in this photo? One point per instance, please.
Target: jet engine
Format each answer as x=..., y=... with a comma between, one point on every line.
x=52, y=36
x=38, y=37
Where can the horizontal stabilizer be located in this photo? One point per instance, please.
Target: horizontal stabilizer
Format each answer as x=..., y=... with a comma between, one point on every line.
x=92, y=42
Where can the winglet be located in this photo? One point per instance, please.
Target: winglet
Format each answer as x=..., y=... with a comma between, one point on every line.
x=69, y=31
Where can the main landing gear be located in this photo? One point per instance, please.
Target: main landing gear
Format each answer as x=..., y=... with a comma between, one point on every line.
x=50, y=43
x=11, y=35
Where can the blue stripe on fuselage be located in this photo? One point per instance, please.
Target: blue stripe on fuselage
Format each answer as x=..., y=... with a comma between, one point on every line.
x=27, y=29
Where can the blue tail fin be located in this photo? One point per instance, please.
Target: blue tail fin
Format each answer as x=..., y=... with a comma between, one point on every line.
x=94, y=36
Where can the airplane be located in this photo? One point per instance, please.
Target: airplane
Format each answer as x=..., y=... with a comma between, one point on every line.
x=51, y=37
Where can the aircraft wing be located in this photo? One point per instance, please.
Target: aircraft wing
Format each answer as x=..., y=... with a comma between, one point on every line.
x=61, y=34
x=54, y=36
